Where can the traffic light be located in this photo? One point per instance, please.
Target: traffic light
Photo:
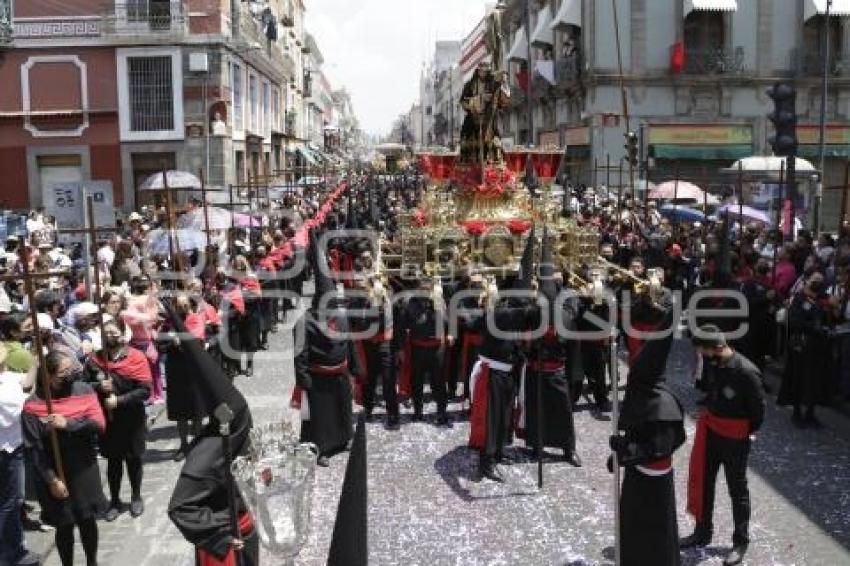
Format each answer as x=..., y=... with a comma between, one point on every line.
x=784, y=118
x=631, y=148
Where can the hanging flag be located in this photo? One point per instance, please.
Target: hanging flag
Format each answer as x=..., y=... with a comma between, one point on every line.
x=677, y=58
x=522, y=79
x=546, y=69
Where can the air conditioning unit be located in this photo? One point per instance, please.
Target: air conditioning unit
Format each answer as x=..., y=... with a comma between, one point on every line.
x=199, y=62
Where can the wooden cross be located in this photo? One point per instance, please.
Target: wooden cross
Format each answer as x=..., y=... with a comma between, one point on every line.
x=29, y=277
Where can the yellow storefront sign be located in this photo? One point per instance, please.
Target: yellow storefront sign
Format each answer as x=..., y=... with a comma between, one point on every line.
x=835, y=134
x=700, y=134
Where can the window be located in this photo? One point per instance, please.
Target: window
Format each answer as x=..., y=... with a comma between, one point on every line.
x=704, y=31
x=252, y=95
x=237, y=98
x=151, y=93
x=276, y=109
x=813, y=34
x=267, y=120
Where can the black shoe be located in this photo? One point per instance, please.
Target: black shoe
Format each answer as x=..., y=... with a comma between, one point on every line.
x=493, y=473
x=736, y=555
x=249, y=371
x=572, y=458
x=112, y=513
x=812, y=422
x=443, y=420
x=797, y=420
x=29, y=559
x=180, y=454
x=695, y=540
x=604, y=406
x=322, y=461
x=417, y=417
x=392, y=423
x=369, y=417
x=137, y=507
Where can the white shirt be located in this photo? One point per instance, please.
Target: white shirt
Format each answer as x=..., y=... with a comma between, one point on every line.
x=12, y=399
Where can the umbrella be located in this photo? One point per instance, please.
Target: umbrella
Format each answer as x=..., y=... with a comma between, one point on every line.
x=681, y=190
x=248, y=221
x=748, y=212
x=681, y=213
x=194, y=219
x=157, y=242
x=176, y=180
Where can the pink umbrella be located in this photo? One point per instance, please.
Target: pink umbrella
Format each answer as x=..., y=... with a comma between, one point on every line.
x=681, y=190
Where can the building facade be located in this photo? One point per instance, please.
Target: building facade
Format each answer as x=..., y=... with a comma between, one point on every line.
x=119, y=90
x=695, y=73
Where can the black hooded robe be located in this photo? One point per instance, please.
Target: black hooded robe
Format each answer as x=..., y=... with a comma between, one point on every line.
x=200, y=503
x=322, y=370
x=653, y=428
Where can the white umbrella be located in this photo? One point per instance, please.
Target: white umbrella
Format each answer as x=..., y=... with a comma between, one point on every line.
x=681, y=191
x=768, y=164
x=220, y=219
x=175, y=179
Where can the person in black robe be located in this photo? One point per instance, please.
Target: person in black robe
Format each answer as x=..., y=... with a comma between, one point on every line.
x=122, y=376
x=651, y=428
x=808, y=352
x=77, y=418
x=424, y=342
x=546, y=368
x=201, y=506
x=323, y=367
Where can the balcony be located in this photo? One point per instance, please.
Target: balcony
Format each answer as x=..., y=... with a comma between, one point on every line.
x=289, y=124
x=568, y=71
x=809, y=63
x=146, y=16
x=713, y=61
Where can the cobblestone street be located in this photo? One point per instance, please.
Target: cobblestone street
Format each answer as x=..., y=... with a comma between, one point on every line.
x=425, y=506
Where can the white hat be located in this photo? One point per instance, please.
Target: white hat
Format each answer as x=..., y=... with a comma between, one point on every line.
x=81, y=310
x=44, y=321
x=134, y=216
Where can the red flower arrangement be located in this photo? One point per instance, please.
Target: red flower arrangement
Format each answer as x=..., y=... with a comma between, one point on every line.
x=419, y=218
x=474, y=227
x=518, y=227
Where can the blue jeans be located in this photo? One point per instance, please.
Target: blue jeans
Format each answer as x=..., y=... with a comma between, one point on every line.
x=11, y=531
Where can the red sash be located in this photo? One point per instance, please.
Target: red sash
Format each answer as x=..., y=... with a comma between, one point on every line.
x=246, y=525
x=738, y=429
x=480, y=403
x=73, y=407
x=297, y=396
x=133, y=366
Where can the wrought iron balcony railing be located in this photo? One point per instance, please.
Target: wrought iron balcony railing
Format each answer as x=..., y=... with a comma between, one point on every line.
x=714, y=61
x=568, y=70
x=809, y=63
x=146, y=16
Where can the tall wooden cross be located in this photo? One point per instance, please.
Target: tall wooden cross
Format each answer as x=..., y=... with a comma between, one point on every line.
x=29, y=278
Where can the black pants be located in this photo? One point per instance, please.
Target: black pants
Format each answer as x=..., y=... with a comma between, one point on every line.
x=732, y=455
x=499, y=413
x=594, y=359
x=428, y=363
x=379, y=367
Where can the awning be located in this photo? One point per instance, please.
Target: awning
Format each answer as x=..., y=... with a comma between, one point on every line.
x=813, y=150
x=568, y=15
x=519, y=51
x=307, y=155
x=543, y=35
x=710, y=6
x=816, y=7
x=702, y=152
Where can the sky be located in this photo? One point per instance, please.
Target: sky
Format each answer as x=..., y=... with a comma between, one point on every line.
x=376, y=48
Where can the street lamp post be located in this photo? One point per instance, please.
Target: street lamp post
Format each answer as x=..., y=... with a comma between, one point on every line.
x=529, y=108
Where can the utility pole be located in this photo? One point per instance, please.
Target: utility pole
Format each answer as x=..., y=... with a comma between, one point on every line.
x=529, y=106
x=822, y=149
